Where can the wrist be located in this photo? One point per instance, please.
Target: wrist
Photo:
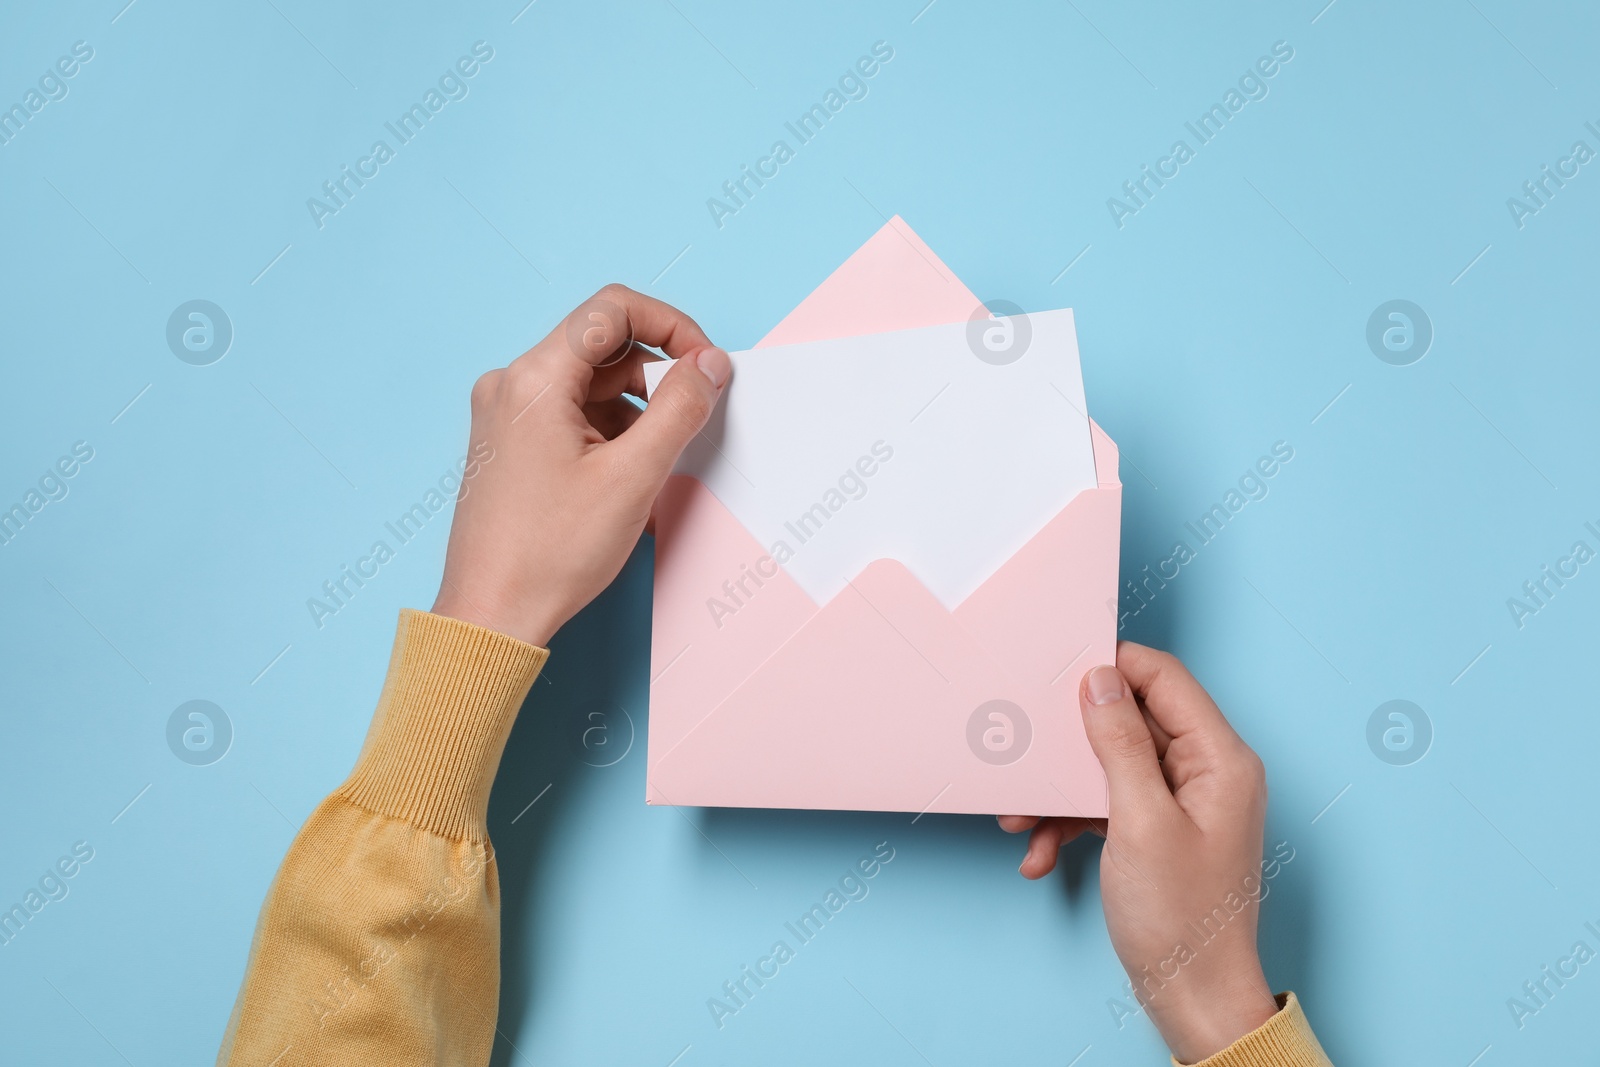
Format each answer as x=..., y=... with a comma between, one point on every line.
x=530, y=626
x=1200, y=1014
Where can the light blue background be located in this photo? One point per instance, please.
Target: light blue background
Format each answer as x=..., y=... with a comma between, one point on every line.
x=1225, y=316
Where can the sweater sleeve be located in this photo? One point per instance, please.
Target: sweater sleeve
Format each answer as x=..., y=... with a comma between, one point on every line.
x=1285, y=1040
x=379, y=941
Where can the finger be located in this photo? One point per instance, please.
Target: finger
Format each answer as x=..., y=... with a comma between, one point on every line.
x=1015, y=824
x=606, y=324
x=1044, y=846
x=680, y=407
x=611, y=417
x=624, y=375
x=1160, y=736
x=1179, y=704
x=1046, y=842
x=1123, y=742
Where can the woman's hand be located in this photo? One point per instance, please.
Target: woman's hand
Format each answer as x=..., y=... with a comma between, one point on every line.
x=546, y=522
x=1180, y=875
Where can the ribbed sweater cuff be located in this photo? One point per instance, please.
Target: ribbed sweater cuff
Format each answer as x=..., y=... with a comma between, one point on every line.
x=1285, y=1040
x=448, y=703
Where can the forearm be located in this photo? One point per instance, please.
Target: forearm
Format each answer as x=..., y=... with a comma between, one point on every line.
x=379, y=940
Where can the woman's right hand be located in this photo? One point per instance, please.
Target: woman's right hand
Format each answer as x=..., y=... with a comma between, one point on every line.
x=1181, y=871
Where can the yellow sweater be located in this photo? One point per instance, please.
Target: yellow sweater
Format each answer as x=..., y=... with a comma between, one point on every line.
x=379, y=941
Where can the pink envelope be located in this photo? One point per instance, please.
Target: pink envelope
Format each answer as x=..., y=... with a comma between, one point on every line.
x=881, y=699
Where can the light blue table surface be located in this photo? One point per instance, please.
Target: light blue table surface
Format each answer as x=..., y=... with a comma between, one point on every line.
x=1227, y=313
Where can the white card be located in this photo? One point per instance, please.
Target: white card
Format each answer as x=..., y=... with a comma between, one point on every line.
x=903, y=445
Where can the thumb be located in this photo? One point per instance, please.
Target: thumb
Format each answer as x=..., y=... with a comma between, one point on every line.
x=1121, y=740
x=677, y=410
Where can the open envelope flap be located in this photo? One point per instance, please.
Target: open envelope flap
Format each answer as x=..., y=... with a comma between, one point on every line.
x=893, y=282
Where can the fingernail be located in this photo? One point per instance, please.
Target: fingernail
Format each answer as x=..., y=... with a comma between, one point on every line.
x=1105, y=686
x=715, y=365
